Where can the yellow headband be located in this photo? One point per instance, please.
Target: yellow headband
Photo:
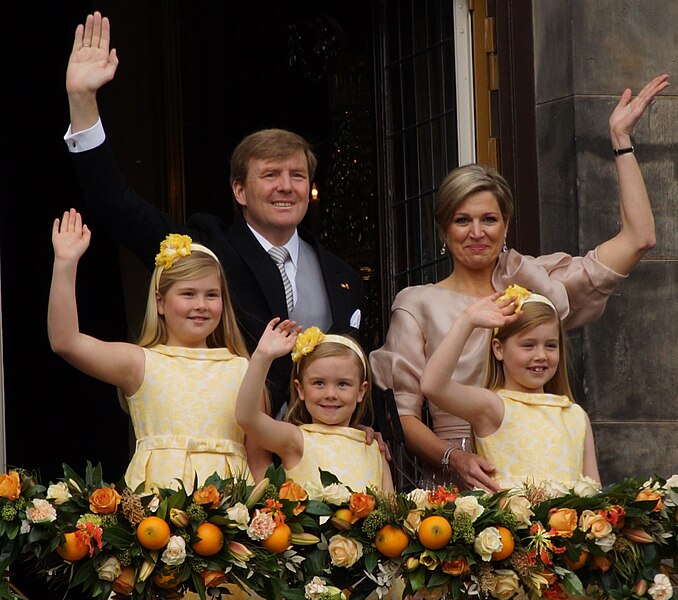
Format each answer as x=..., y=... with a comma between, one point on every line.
x=174, y=247
x=523, y=296
x=311, y=337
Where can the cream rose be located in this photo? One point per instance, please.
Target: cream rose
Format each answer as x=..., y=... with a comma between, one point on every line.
x=344, y=551
x=585, y=487
x=336, y=494
x=671, y=491
x=239, y=514
x=488, y=542
x=468, y=505
x=554, y=489
x=58, y=493
x=419, y=497
x=599, y=527
x=412, y=522
x=506, y=584
x=109, y=569
x=606, y=543
x=521, y=508
x=175, y=552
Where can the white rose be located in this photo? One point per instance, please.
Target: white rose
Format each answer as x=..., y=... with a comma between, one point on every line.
x=488, y=542
x=336, y=494
x=670, y=493
x=607, y=542
x=175, y=553
x=239, y=514
x=344, y=551
x=585, y=487
x=521, y=508
x=468, y=505
x=554, y=489
x=58, y=492
x=418, y=496
x=109, y=569
x=506, y=584
x=661, y=589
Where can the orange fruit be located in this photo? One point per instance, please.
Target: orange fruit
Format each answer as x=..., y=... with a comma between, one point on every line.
x=279, y=540
x=167, y=577
x=73, y=549
x=391, y=541
x=579, y=563
x=211, y=539
x=507, y=544
x=434, y=532
x=345, y=514
x=153, y=533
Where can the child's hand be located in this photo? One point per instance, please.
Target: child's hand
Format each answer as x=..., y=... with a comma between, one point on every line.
x=70, y=237
x=278, y=341
x=489, y=312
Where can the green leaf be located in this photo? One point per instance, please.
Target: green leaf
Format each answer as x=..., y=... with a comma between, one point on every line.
x=118, y=537
x=327, y=478
x=437, y=578
x=317, y=508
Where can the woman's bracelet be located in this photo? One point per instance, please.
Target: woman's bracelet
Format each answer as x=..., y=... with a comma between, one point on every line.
x=460, y=444
x=620, y=151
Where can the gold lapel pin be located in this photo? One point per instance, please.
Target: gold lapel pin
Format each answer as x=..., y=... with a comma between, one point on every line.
x=345, y=286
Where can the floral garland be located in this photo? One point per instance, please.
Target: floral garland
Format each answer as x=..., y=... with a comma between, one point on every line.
x=280, y=542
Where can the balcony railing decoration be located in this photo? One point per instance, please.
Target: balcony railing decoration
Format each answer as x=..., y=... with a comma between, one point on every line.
x=279, y=540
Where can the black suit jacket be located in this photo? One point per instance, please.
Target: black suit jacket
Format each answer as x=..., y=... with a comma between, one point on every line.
x=254, y=282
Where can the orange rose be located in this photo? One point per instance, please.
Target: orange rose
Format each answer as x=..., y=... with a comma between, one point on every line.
x=455, y=567
x=361, y=505
x=104, y=501
x=563, y=521
x=213, y=578
x=294, y=493
x=207, y=495
x=651, y=495
x=124, y=583
x=10, y=485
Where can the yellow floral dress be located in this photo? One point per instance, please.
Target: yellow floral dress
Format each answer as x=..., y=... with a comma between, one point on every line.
x=343, y=452
x=184, y=417
x=541, y=438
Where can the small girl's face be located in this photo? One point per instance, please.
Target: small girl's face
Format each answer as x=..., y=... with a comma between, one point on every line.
x=192, y=311
x=530, y=357
x=331, y=387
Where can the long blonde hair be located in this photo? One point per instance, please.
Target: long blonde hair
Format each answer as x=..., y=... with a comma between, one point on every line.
x=534, y=313
x=298, y=413
x=196, y=265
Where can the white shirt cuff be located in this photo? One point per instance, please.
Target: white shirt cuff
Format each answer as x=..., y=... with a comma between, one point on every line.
x=86, y=139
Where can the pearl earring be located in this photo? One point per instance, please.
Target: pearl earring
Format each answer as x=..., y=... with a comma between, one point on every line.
x=443, y=249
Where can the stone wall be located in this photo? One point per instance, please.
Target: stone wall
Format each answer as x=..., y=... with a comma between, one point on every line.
x=626, y=364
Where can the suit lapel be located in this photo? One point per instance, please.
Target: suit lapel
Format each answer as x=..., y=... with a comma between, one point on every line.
x=260, y=265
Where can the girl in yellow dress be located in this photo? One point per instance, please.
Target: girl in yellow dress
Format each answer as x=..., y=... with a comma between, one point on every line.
x=330, y=393
x=524, y=420
x=181, y=380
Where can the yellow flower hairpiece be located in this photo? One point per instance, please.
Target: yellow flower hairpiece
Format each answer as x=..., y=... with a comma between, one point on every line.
x=523, y=295
x=306, y=342
x=520, y=293
x=174, y=246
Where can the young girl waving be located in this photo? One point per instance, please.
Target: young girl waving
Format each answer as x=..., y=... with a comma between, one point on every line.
x=330, y=392
x=181, y=380
x=524, y=420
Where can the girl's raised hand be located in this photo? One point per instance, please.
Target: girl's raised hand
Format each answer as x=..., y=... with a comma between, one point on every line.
x=276, y=341
x=490, y=312
x=70, y=237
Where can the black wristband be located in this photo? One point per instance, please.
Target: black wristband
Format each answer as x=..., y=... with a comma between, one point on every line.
x=620, y=151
